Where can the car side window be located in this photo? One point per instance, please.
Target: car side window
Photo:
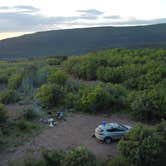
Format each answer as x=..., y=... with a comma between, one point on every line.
x=109, y=130
x=122, y=128
x=114, y=130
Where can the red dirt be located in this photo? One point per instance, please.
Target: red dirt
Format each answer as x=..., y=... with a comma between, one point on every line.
x=77, y=130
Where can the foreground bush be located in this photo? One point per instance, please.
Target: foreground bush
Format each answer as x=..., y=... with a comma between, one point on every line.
x=143, y=146
x=3, y=114
x=118, y=161
x=50, y=95
x=53, y=158
x=25, y=125
x=79, y=157
x=9, y=96
x=161, y=129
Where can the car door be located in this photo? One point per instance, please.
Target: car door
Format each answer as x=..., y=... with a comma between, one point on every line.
x=120, y=132
x=116, y=132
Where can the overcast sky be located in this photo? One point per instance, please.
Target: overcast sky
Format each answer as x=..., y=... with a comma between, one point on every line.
x=26, y=16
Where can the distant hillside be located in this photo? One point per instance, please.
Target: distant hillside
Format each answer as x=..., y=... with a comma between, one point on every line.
x=80, y=41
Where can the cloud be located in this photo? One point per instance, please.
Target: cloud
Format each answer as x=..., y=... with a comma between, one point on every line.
x=127, y=22
x=27, y=9
x=135, y=21
x=90, y=12
x=113, y=17
x=28, y=19
x=19, y=8
x=4, y=7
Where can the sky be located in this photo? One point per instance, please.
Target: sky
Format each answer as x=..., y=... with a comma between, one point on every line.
x=18, y=17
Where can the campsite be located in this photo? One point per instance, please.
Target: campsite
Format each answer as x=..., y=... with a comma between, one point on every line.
x=84, y=91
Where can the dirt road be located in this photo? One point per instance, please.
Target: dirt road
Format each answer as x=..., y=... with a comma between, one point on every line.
x=76, y=130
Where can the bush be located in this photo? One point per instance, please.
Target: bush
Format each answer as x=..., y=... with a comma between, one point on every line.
x=27, y=85
x=57, y=77
x=161, y=129
x=148, y=105
x=143, y=146
x=94, y=99
x=76, y=157
x=9, y=96
x=118, y=96
x=31, y=161
x=54, y=61
x=79, y=156
x=52, y=157
x=30, y=114
x=42, y=75
x=15, y=80
x=113, y=75
x=3, y=76
x=24, y=125
x=70, y=100
x=50, y=95
x=118, y=161
x=3, y=114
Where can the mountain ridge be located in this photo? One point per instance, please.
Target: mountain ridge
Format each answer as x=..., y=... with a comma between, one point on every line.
x=82, y=40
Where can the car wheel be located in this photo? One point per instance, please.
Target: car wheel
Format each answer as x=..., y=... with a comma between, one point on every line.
x=108, y=140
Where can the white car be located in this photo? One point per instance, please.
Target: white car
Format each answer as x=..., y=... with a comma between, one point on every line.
x=110, y=131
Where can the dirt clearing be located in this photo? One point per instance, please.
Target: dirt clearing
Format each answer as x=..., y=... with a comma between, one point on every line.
x=76, y=130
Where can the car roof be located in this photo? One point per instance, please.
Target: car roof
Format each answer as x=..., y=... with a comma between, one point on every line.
x=109, y=125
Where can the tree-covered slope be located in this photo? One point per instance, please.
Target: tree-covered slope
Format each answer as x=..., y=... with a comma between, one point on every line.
x=80, y=41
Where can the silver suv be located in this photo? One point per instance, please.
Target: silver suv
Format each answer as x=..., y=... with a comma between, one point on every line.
x=110, y=131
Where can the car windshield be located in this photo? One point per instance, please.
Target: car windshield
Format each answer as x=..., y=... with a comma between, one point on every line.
x=122, y=126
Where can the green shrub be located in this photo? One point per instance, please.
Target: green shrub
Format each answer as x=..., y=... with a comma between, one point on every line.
x=150, y=79
x=27, y=85
x=143, y=146
x=161, y=129
x=3, y=114
x=54, y=61
x=25, y=125
x=118, y=161
x=31, y=161
x=113, y=75
x=57, y=77
x=118, y=96
x=3, y=76
x=52, y=157
x=42, y=75
x=148, y=105
x=50, y=95
x=28, y=160
x=30, y=114
x=70, y=100
x=95, y=99
x=79, y=156
x=2, y=142
x=15, y=80
x=9, y=96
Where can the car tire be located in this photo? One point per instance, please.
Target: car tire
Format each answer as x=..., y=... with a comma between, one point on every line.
x=108, y=140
